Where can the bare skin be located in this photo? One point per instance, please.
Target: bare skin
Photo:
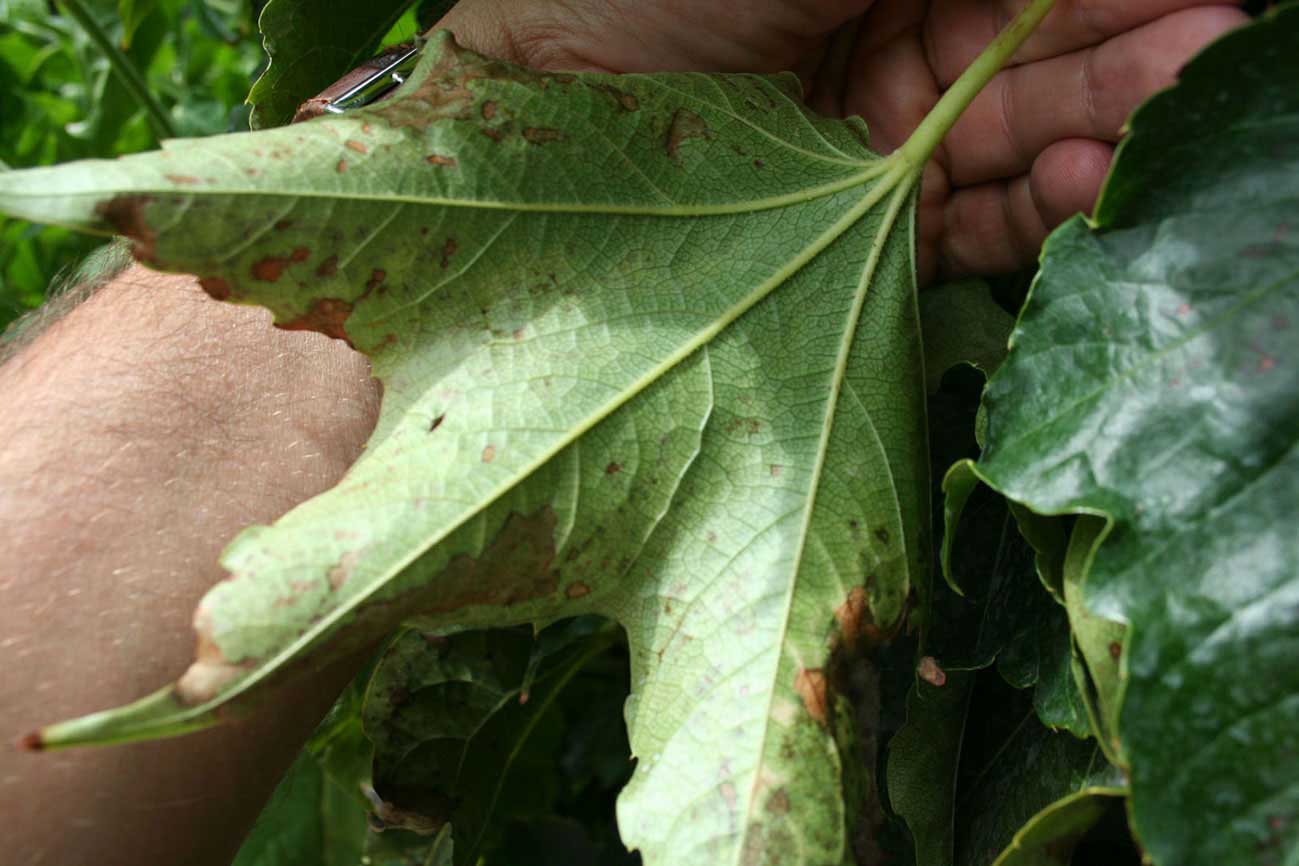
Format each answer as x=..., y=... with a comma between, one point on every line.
x=152, y=423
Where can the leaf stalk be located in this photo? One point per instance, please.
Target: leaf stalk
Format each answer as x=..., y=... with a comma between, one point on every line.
x=931, y=131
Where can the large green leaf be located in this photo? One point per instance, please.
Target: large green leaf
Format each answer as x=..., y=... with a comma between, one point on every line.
x=1151, y=382
x=649, y=349
x=310, y=45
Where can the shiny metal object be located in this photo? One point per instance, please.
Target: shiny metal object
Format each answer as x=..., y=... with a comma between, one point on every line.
x=393, y=71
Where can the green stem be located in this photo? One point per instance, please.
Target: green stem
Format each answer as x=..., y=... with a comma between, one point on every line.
x=920, y=146
x=131, y=78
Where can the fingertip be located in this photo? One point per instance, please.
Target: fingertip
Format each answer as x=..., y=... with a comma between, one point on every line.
x=1067, y=177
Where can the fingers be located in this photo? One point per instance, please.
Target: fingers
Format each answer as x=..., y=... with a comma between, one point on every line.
x=957, y=30
x=999, y=227
x=1084, y=94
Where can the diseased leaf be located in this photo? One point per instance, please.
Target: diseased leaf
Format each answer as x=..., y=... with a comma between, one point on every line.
x=310, y=44
x=1151, y=383
x=587, y=297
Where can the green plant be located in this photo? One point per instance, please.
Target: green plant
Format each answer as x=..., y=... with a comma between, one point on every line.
x=585, y=415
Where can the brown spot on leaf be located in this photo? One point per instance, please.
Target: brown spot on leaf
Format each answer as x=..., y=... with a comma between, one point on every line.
x=729, y=795
x=341, y=166
x=328, y=267
x=882, y=535
x=776, y=470
x=377, y=276
x=1116, y=650
x=757, y=163
x=216, y=287
x=493, y=134
x=577, y=589
x=438, y=159
x=184, y=179
x=855, y=621
x=626, y=101
x=437, y=422
x=685, y=126
x=1266, y=363
x=269, y=269
x=32, y=742
x=328, y=316
x=489, y=453
x=356, y=146
x=283, y=224
x=810, y=684
x=125, y=213
x=542, y=135
x=778, y=802
x=929, y=671
x=449, y=248
x=342, y=572
x=489, y=109
x=613, y=469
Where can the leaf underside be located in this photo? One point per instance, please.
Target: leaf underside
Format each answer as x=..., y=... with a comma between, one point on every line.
x=649, y=350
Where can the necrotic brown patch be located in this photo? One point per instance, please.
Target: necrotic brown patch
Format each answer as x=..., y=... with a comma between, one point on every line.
x=327, y=316
x=216, y=287
x=810, y=684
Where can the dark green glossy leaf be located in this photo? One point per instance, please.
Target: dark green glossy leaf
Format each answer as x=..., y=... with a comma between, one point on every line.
x=1152, y=382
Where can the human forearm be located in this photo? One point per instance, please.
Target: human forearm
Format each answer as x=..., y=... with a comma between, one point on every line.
x=143, y=430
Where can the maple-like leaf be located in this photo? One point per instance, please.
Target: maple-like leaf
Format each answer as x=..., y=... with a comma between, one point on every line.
x=649, y=348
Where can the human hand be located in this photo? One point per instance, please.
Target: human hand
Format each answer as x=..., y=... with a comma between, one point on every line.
x=1032, y=149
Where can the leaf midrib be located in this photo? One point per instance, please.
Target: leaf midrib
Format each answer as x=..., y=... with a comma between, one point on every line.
x=876, y=169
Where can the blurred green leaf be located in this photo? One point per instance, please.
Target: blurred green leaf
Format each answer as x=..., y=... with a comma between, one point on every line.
x=59, y=102
x=132, y=13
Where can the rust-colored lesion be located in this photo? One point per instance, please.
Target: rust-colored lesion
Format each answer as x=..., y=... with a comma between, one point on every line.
x=125, y=213
x=813, y=690
x=685, y=126
x=325, y=315
x=542, y=135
